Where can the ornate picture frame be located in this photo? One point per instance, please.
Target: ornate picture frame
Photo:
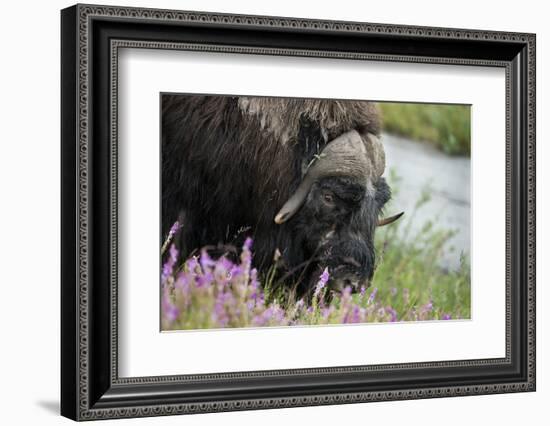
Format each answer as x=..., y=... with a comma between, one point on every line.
x=91, y=37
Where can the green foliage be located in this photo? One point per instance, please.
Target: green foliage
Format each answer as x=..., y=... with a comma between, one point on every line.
x=445, y=126
x=409, y=274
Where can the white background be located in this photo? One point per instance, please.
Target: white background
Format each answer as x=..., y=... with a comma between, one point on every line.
x=140, y=343
x=29, y=229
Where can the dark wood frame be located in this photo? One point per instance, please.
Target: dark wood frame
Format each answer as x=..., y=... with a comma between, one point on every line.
x=91, y=37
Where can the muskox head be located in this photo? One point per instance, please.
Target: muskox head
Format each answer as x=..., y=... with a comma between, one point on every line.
x=335, y=210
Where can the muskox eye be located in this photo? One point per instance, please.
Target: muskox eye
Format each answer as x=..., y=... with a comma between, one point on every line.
x=328, y=198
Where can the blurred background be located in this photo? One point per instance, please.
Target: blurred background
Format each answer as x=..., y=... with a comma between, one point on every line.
x=428, y=167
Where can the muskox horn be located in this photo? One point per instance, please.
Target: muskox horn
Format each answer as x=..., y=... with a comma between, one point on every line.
x=360, y=157
x=391, y=219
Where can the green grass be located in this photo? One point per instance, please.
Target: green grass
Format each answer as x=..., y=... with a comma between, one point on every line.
x=409, y=273
x=445, y=126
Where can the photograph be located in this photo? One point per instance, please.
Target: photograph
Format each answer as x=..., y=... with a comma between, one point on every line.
x=280, y=211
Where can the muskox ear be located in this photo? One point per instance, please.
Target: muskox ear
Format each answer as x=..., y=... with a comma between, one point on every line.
x=391, y=219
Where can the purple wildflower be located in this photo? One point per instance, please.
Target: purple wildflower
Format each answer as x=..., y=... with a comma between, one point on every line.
x=170, y=311
x=206, y=261
x=209, y=292
x=254, y=283
x=425, y=310
x=256, y=296
x=246, y=259
x=173, y=230
x=168, y=267
x=219, y=316
x=246, y=254
x=222, y=271
x=278, y=315
x=263, y=318
x=372, y=295
x=346, y=294
x=235, y=272
x=192, y=265
x=326, y=312
x=346, y=300
x=183, y=287
x=346, y=304
x=355, y=314
x=392, y=312
x=323, y=279
x=205, y=279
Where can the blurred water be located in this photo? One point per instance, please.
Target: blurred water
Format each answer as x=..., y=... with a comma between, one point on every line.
x=422, y=166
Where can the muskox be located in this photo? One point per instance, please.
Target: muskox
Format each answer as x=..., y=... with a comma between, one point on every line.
x=302, y=177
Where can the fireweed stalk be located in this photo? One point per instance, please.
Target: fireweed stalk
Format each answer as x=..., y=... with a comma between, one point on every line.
x=173, y=231
x=203, y=293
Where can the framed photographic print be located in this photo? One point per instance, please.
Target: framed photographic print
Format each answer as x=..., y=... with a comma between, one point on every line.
x=263, y=212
